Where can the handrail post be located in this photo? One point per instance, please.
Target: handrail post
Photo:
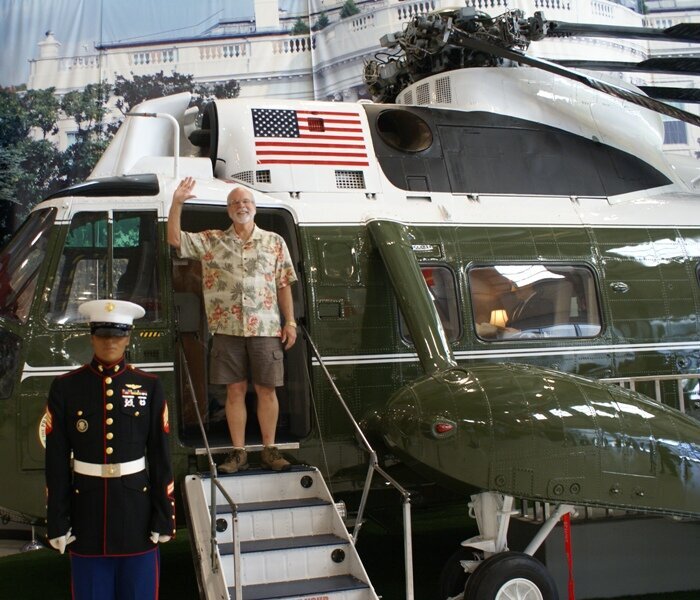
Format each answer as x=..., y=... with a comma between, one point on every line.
x=408, y=546
x=215, y=483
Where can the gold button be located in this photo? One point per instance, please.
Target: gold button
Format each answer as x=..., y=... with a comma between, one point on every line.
x=110, y=435
x=108, y=380
x=100, y=368
x=116, y=368
x=109, y=450
x=80, y=413
x=145, y=489
x=110, y=392
x=77, y=491
x=137, y=413
x=110, y=406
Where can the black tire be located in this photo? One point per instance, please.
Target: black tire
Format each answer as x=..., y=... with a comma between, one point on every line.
x=453, y=578
x=525, y=578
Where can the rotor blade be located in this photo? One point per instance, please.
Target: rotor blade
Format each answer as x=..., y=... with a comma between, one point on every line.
x=670, y=94
x=608, y=88
x=682, y=32
x=689, y=65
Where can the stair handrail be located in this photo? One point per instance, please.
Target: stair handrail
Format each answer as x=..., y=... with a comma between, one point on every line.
x=373, y=466
x=215, y=484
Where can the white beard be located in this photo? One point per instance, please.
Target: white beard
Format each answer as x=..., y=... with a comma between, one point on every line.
x=242, y=219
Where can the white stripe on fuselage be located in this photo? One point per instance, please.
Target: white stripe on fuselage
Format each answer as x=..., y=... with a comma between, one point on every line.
x=511, y=353
x=29, y=371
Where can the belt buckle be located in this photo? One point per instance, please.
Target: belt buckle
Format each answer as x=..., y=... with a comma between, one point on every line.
x=111, y=470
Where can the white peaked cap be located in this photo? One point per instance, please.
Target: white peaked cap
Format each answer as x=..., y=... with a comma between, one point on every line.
x=111, y=317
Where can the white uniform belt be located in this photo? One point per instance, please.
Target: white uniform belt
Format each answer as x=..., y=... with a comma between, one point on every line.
x=112, y=470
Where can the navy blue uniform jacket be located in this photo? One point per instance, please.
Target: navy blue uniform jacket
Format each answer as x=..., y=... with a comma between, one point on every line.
x=108, y=414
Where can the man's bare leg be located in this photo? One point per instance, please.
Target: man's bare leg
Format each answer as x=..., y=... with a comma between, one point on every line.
x=268, y=413
x=236, y=413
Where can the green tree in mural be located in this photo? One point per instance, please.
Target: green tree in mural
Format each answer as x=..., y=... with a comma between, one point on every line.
x=30, y=168
x=88, y=108
x=300, y=28
x=321, y=23
x=42, y=109
x=349, y=9
x=131, y=92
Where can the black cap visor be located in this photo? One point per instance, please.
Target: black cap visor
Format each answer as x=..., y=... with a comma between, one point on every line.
x=110, y=329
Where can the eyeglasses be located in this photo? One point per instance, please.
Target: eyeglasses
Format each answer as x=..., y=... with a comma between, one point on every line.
x=240, y=202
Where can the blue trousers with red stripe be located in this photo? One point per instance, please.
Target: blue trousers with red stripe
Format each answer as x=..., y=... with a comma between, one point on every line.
x=132, y=577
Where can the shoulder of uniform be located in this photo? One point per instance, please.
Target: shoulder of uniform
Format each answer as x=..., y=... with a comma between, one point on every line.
x=136, y=371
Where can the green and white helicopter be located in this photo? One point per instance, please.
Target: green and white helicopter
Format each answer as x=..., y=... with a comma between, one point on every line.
x=499, y=273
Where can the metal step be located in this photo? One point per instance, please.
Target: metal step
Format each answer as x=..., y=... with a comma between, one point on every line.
x=256, y=485
x=293, y=561
x=307, y=518
x=339, y=587
x=284, y=543
x=249, y=447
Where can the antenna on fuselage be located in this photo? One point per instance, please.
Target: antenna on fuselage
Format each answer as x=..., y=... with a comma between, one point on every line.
x=176, y=136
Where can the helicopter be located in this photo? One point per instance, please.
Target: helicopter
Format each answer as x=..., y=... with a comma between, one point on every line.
x=483, y=252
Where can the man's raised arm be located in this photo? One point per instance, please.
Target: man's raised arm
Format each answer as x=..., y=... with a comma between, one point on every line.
x=182, y=193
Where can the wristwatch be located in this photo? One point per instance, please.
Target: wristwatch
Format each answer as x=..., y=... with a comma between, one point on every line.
x=291, y=324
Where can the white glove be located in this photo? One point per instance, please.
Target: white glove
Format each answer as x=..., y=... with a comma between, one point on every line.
x=157, y=537
x=61, y=542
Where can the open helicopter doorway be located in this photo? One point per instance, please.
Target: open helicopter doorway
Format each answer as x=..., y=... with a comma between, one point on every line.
x=294, y=421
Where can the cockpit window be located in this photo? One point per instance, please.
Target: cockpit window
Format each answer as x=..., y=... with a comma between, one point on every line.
x=441, y=283
x=20, y=261
x=107, y=260
x=534, y=301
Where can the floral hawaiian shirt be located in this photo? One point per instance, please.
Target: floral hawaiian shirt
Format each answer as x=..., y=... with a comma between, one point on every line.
x=240, y=279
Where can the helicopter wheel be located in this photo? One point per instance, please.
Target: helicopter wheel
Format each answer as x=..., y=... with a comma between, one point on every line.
x=453, y=577
x=511, y=576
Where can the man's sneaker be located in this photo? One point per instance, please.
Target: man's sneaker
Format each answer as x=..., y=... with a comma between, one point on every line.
x=236, y=461
x=272, y=459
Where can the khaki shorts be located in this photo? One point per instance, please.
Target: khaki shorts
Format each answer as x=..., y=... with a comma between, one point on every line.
x=233, y=357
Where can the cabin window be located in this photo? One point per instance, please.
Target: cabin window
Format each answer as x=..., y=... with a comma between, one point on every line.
x=135, y=273
x=88, y=270
x=532, y=301
x=20, y=262
x=441, y=283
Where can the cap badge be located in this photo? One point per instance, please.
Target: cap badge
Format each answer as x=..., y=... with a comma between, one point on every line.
x=109, y=307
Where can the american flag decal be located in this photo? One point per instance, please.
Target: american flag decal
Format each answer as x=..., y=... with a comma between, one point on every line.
x=302, y=137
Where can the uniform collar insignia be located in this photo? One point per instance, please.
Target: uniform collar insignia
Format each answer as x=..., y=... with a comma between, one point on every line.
x=105, y=369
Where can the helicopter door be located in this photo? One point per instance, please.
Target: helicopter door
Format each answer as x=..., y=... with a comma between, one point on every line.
x=294, y=417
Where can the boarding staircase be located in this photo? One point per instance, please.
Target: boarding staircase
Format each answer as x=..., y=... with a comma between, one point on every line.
x=292, y=542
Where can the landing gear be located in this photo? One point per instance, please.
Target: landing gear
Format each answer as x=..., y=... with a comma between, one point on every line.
x=453, y=578
x=511, y=576
x=504, y=575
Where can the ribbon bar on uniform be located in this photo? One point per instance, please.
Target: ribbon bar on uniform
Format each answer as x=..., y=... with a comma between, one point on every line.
x=109, y=470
